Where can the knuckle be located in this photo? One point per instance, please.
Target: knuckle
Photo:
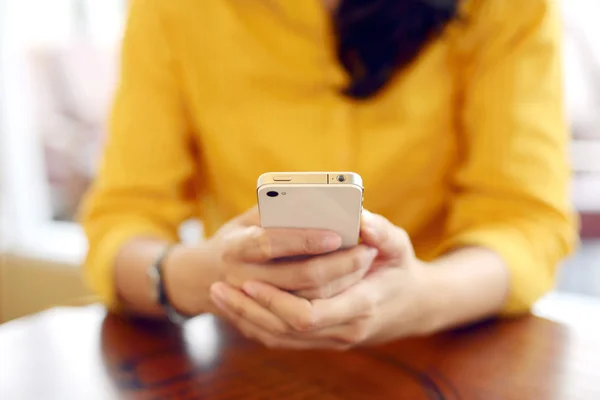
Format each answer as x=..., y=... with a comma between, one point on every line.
x=323, y=292
x=310, y=294
x=241, y=243
x=357, y=334
x=381, y=220
x=241, y=311
x=229, y=253
x=266, y=301
x=403, y=241
x=402, y=235
x=315, y=294
x=309, y=244
x=357, y=261
x=260, y=243
x=238, y=309
x=313, y=274
x=385, y=236
x=303, y=321
x=347, y=283
x=281, y=330
x=370, y=306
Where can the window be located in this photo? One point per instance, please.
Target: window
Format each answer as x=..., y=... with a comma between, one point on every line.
x=582, y=65
x=57, y=69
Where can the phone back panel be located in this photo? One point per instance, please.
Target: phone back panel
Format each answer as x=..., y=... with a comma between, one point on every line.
x=317, y=206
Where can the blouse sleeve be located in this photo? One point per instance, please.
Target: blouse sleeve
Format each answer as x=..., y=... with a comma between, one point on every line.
x=512, y=189
x=145, y=181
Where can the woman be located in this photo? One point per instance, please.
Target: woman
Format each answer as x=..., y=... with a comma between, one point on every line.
x=451, y=111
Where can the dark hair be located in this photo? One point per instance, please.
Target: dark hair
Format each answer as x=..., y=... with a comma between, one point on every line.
x=377, y=38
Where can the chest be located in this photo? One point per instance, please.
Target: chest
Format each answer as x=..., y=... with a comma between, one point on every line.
x=265, y=95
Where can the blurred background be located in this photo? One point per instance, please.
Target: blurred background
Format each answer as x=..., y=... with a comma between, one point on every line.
x=57, y=73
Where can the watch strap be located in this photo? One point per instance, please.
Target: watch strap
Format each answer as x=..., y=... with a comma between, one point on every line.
x=162, y=297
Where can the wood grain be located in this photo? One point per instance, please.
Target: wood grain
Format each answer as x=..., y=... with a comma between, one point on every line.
x=81, y=353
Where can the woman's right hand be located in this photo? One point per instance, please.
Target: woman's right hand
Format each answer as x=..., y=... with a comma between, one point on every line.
x=242, y=251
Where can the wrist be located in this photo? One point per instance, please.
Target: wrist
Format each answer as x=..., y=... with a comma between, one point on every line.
x=465, y=286
x=187, y=279
x=433, y=300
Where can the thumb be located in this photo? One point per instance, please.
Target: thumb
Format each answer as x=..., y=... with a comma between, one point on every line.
x=390, y=240
x=249, y=218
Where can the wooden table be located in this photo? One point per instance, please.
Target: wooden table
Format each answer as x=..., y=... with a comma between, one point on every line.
x=84, y=354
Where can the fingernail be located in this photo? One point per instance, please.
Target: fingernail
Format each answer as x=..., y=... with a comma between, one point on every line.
x=332, y=242
x=251, y=289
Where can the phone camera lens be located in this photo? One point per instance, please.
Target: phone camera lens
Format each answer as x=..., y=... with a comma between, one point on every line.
x=341, y=178
x=272, y=193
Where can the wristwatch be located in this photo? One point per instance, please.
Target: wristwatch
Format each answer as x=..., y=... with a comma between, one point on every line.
x=158, y=291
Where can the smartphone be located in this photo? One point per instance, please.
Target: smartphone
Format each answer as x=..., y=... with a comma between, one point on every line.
x=315, y=200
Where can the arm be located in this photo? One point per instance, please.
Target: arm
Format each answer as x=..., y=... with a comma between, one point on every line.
x=510, y=221
x=511, y=192
x=145, y=187
x=464, y=286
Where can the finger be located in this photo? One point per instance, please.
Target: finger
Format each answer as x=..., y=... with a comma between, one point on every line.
x=256, y=332
x=352, y=334
x=335, y=287
x=295, y=311
x=318, y=272
x=359, y=301
x=390, y=240
x=226, y=297
x=250, y=218
x=256, y=245
x=308, y=274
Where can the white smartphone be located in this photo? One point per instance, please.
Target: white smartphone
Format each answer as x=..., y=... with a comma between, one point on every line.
x=316, y=200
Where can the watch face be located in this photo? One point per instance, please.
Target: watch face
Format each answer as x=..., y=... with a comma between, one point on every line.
x=154, y=281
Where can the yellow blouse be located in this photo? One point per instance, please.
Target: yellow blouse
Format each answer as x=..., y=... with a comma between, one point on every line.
x=466, y=147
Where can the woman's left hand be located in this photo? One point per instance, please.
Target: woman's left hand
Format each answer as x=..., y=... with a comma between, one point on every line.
x=393, y=300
